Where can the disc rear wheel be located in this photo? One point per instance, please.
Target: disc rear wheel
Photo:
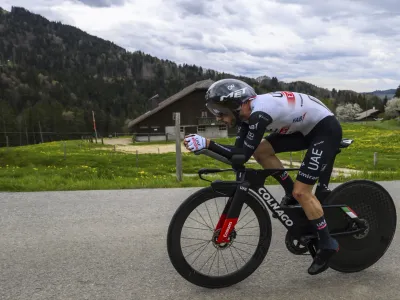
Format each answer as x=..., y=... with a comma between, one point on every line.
x=375, y=207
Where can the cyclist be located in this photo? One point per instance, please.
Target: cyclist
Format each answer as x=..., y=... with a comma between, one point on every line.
x=297, y=122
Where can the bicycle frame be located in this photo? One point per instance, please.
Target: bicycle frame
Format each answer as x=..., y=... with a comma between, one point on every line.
x=250, y=182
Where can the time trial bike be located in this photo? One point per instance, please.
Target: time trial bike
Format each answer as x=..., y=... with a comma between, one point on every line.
x=360, y=213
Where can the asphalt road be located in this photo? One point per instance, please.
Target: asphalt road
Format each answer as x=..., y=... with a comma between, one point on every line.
x=112, y=245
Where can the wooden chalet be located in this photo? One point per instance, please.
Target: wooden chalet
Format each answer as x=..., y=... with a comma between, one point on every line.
x=158, y=124
x=368, y=115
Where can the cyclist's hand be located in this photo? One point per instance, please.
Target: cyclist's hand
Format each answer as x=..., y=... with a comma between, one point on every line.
x=194, y=142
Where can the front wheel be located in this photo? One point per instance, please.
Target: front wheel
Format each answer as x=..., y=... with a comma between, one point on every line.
x=192, y=246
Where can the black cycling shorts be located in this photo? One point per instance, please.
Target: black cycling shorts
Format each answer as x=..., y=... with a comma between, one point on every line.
x=322, y=143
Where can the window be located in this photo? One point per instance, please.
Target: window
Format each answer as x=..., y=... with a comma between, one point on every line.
x=222, y=127
x=204, y=114
x=201, y=129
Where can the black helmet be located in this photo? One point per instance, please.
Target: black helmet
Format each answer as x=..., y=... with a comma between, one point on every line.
x=225, y=96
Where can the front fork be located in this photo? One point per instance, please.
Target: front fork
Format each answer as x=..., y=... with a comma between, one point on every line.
x=230, y=214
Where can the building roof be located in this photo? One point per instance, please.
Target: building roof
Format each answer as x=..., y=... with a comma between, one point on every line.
x=366, y=113
x=199, y=85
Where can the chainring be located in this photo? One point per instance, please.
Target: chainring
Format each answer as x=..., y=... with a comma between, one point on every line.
x=294, y=245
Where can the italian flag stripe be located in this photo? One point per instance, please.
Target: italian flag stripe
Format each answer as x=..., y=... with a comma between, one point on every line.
x=349, y=212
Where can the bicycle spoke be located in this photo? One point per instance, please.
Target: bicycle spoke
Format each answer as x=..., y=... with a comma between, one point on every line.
x=245, y=243
x=249, y=234
x=188, y=238
x=209, y=215
x=203, y=219
x=216, y=207
x=224, y=262
x=200, y=223
x=196, y=228
x=239, y=254
x=244, y=216
x=245, y=224
x=208, y=260
x=194, y=245
x=241, y=250
x=216, y=253
x=196, y=249
x=246, y=228
x=201, y=251
x=234, y=258
x=218, y=262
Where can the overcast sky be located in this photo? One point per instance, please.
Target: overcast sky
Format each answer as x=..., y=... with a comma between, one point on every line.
x=352, y=44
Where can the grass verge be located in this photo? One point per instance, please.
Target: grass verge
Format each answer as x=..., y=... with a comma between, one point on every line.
x=43, y=167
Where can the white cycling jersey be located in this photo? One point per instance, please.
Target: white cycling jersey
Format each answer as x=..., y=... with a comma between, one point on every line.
x=290, y=111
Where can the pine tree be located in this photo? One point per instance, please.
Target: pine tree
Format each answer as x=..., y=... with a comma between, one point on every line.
x=397, y=95
x=385, y=100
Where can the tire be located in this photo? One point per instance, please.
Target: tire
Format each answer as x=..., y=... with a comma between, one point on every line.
x=185, y=269
x=370, y=201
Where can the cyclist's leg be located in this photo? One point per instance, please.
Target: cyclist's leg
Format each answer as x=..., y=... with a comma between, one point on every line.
x=316, y=157
x=276, y=143
x=322, y=190
x=324, y=141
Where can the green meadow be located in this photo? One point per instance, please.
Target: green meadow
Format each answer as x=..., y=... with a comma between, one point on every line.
x=85, y=165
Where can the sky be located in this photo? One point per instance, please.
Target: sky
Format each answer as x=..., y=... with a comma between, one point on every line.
x=352, y=44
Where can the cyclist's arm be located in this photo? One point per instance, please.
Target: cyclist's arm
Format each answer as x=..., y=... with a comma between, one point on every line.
x=243, y=128
x=258, y=123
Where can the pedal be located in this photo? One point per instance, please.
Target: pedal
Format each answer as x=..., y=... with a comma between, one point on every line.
x=310, y=244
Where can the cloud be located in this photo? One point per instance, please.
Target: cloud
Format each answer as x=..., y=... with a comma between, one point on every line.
x=189, y=7
x=342, y=44
x=102, y=3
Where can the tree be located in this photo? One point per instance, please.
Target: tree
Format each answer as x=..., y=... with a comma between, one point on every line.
x=385, y=100
x=392, y=109
x=348, y=111
x=274, y=84
x=397, y=95
x=329, y=102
